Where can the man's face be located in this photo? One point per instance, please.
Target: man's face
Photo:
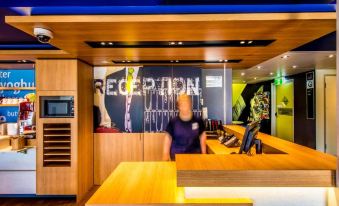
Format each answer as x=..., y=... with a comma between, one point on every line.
x=185, y=106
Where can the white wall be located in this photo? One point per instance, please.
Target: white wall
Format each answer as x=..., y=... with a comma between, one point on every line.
x=320, y=105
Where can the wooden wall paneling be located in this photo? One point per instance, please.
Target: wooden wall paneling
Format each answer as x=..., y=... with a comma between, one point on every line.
x=56, y=75
x=112, y=148
x=85, y=129
x=153, y=146
x=56, y=180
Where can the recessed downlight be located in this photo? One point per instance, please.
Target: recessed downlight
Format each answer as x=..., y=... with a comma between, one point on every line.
x=242, y=42
x=177, y=61
x=271, y=73
x=220, y=60
x=250, y=42
x=180, y=43
x=331, y=56
x=110, y=43
x=294, y=66
x=242, y=74
x=259, y=67
x=103, y=43
x=226, y=60
x=285, y=57
x=255, y=78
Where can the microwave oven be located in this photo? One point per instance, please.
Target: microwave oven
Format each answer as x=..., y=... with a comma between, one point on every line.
x=56, y=106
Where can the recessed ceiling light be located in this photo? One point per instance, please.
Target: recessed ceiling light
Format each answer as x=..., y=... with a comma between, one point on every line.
x=171, y=60
x=225, y=60
x=172, y=43
x=128, y=61
x=19, y=61
x=242, y=73
x=285, y=57
x=330, y=56
x=176, y=60
x=294, y=66
x=242, y=42
x=103, y=43
x=123, y=61
x=23, y=60
x=271, y=73
x=110, y=43
x=220, y=60
x=180, y=42
x=255, y=77
x=250, y=42
x=259, y=67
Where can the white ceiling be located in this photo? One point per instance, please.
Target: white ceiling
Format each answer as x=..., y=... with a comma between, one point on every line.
x=280, y=67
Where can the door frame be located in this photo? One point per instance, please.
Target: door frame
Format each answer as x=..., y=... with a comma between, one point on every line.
x=274, y=105
x=324, y=83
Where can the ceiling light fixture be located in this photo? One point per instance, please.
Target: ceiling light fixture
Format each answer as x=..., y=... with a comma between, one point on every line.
x=242, y=73
x=176, y=60
x=330, y=56
x=242, y=42
x=294, y=66
x=123, y=61
x=255, y=78
x=259, y=67
x=250, y=42
x=180, y=43
x=220, y=60
x=110, y=43
x=225, y=60
x=285, y=57
x=271, y=73
x=103, y=43
x=172, y=43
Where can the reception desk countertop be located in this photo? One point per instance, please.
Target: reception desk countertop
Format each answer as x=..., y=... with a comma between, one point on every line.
x=285, y=164
x=150, y=183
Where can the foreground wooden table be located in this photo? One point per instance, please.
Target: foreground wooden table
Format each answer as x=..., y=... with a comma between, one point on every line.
x=296, y=166
x=149, y=183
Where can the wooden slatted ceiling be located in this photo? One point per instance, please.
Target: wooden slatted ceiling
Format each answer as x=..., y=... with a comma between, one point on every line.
x=289, y=30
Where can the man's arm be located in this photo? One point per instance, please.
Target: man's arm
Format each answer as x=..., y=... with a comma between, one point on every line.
x=167, y=147
x=203, y=142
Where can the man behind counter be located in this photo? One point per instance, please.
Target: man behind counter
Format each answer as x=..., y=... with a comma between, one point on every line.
x=185, y=132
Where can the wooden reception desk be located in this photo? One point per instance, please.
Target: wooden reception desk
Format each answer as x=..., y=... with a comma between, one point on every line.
x=284, y=164
x=150, y=183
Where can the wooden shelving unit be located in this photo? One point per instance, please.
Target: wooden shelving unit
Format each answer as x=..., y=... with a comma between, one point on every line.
x=57, y=145
x=17, y=88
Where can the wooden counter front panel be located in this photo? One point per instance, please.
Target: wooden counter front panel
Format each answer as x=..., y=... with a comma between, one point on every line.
x=153, y=146
x=112, y=148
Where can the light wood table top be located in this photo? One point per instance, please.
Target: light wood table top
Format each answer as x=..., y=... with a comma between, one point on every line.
x=149, y=183
x=298, y=166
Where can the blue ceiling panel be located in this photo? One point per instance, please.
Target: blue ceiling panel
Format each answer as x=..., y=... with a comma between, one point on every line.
x=198, y=9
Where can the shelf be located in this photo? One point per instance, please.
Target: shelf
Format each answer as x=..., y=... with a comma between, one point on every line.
x=9, y=105
x=57, y=129
x=17, y=88
x=57, y=147
x=57, y=141
x=57, y=154
x=56, y=160
x=57, y=135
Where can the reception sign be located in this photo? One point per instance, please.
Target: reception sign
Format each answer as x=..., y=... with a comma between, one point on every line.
x=135, y=99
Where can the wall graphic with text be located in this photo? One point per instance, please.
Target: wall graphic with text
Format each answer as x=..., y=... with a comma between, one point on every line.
x=14, y=78
x=135, y=99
